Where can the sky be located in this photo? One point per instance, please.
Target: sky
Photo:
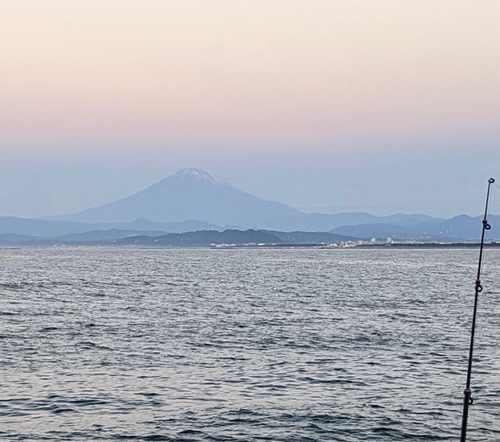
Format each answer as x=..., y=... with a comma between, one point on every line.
x=382, y=106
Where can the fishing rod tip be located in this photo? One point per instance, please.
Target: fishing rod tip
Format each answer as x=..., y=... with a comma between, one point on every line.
x=491, y=180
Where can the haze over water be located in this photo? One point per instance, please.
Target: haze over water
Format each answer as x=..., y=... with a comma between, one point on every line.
x=237, y=345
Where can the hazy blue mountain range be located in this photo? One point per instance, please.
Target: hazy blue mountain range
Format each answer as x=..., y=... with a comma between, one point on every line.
x=238, y=237
x=460, y=227
x=193, y=200
x=55, y=228
x=110, y=234
x=114, y=237
x=311, y=237
x=193, y=194
x=203, y=238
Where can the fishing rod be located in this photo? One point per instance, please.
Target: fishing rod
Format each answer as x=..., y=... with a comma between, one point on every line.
x=478, y=288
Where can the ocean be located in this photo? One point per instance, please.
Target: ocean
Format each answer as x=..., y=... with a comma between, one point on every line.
x=246, y=344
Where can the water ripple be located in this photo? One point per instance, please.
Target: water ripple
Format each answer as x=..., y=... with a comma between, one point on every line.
x=239, y=345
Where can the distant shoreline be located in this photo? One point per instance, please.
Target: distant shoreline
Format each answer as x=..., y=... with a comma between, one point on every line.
x=254, y=247
x=431, y=246
x=363, y=246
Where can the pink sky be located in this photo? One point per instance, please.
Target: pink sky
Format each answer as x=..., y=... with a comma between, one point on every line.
x=83, y=77
x=376, y=105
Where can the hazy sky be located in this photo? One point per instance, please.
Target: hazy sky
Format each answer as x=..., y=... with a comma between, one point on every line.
x=334, y=105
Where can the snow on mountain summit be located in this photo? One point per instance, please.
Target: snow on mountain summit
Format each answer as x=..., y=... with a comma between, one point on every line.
x=193, y=173
x=193, y=194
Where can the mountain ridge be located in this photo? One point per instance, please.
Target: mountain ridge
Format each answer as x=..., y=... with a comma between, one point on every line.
x=202, y=238
x=460, y=227
x=198, y=195
x=195, y=200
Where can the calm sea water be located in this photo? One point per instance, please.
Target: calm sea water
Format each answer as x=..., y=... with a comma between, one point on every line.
x=242, y=345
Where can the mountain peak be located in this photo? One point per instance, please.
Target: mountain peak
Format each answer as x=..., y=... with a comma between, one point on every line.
x=192, y=173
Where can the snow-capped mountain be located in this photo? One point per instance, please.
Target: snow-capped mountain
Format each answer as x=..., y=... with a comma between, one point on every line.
x=193, y=194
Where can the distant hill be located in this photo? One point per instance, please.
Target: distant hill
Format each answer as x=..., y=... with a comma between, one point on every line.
x=115, y=237
x=53, y=228
x=460, y=227
x=311, y=237
x=203, y=238
x=37, y=227
x=375, y=230
x=100, y=235
x=193, y=194
x=13, y=240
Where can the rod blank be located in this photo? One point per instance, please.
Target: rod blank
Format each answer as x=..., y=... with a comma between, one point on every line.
x=468, y=400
